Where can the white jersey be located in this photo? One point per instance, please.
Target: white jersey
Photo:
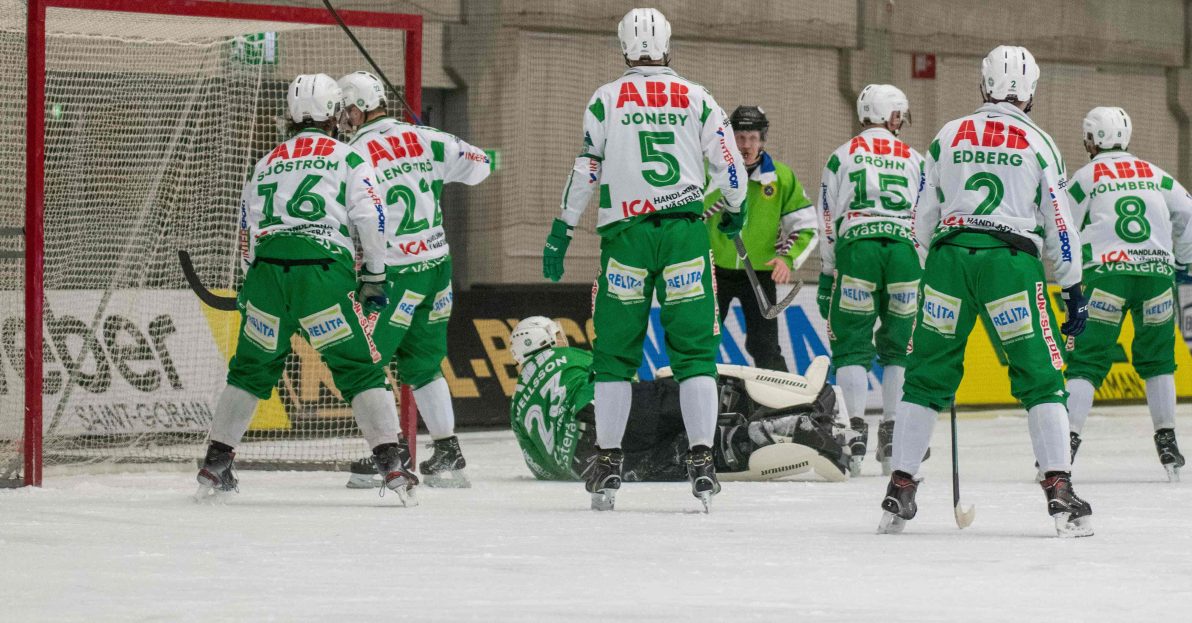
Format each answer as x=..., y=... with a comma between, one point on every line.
x=647, y=136
x=869, y=187
x=1133, y=215
x=315, y=186
x=996, y=171
x=413, y=162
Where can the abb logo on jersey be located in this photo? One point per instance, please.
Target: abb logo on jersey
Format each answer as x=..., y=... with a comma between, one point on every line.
x=993, y=134
x=411, y=149
x=1124, y=170
x=303, y=146
x=637, y=207
x=881, y=147
x=656, y=95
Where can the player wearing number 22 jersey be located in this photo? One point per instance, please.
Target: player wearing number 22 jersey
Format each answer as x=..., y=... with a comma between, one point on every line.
x=412, y=163
x=992, y=204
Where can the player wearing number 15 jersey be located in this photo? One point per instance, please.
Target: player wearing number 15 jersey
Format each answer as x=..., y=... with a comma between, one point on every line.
x=993, y=202
x=1134, y=224
x=412, y=163
x=647, y=136
x=870, y=269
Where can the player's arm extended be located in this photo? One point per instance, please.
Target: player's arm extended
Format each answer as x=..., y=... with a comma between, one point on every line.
x=462, y=162
x=1179, y=204
x=584, y=177
x=1061, y=240
x=726, y=168
x=367, y=212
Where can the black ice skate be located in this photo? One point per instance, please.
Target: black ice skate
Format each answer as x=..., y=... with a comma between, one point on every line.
x=216, y=475
x=604, y=478
x=899, y=504
x=1169, y=453
x=1073, y=516
x=392, y=462
x=885, y=445
x=363, y=474
x=445, y=467
x=701, y=471
x=858, y=445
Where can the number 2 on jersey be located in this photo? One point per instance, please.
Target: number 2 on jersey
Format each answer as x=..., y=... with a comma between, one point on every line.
x=989, y=182
x=410, y=224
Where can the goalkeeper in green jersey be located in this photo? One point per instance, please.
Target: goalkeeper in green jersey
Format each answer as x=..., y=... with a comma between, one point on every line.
x=772, y=424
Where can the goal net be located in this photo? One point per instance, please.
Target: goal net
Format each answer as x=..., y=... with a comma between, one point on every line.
x=151, y=123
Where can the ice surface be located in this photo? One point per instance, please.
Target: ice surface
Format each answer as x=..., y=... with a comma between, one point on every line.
x=301, y=547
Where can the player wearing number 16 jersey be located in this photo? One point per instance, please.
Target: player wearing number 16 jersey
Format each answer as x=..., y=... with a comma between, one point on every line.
x=412, y=163
x=993, y=202
x=1134, y=223
x=870, y=268
x=305, y=207
x=647, y=136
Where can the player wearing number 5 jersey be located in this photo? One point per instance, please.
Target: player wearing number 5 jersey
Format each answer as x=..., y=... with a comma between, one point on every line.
x=993, y=202
x=870, y=268
x=647, y=136
x=303, y=210
x=413, y=163
x=1134, y=223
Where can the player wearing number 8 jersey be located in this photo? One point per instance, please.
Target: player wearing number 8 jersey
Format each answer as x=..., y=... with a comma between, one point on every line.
x=870, y=268
x=993, y=202
x=412, y=163
x=304, y=208
x=1134, y=223
x=647, y=136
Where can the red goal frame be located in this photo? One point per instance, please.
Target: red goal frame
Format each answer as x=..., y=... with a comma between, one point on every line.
x=35, y=161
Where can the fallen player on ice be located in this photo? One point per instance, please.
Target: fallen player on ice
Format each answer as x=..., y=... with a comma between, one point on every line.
x=772, y=424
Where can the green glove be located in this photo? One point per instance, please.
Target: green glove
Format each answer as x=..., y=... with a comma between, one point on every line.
x=823, y=295
x=731, y=222
x=556, y=249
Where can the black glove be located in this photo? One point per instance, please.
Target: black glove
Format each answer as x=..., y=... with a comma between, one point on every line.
x=1078, y=311
x=370, y=292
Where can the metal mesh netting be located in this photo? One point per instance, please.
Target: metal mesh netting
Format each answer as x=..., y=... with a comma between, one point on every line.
x=152, y=124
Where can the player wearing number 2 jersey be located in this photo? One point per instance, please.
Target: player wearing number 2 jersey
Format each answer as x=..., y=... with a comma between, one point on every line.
x=304, y=208
x=1134, y=223
x=870, y=268
x=412, y=163
x=647, y=136
x=993, y=202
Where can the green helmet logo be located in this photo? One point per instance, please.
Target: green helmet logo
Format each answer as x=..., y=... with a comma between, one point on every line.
x=529, y=341
x=1100, y=133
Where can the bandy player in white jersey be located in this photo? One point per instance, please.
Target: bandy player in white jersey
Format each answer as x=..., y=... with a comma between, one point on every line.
x=1134, y=223
x=992, y=204
x=412, y=163
x=871, y=267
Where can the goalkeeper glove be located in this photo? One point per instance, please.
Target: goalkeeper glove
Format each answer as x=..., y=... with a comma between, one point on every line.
x=370, y=292
x=731, y=222
x=1078, y=311
x=556, y=249
x=823, y=295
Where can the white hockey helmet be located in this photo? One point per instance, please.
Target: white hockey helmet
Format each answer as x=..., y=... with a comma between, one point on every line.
x=644, y=33
x=1107, y=127
x=878, y=102
x=532, y=335
x=1009, y=72
x=363, y=90
x=314, y=96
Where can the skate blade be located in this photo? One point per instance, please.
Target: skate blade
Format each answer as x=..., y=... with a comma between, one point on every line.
x=890, y=523
x=363, y=481
x=1173, y=473
x=447, y=480
x=1074, y=528
x=705, y=497
x=604, y=500
x=207, y=494
x=854, y=465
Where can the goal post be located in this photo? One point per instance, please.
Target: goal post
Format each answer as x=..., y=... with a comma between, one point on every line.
x=141, y=120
